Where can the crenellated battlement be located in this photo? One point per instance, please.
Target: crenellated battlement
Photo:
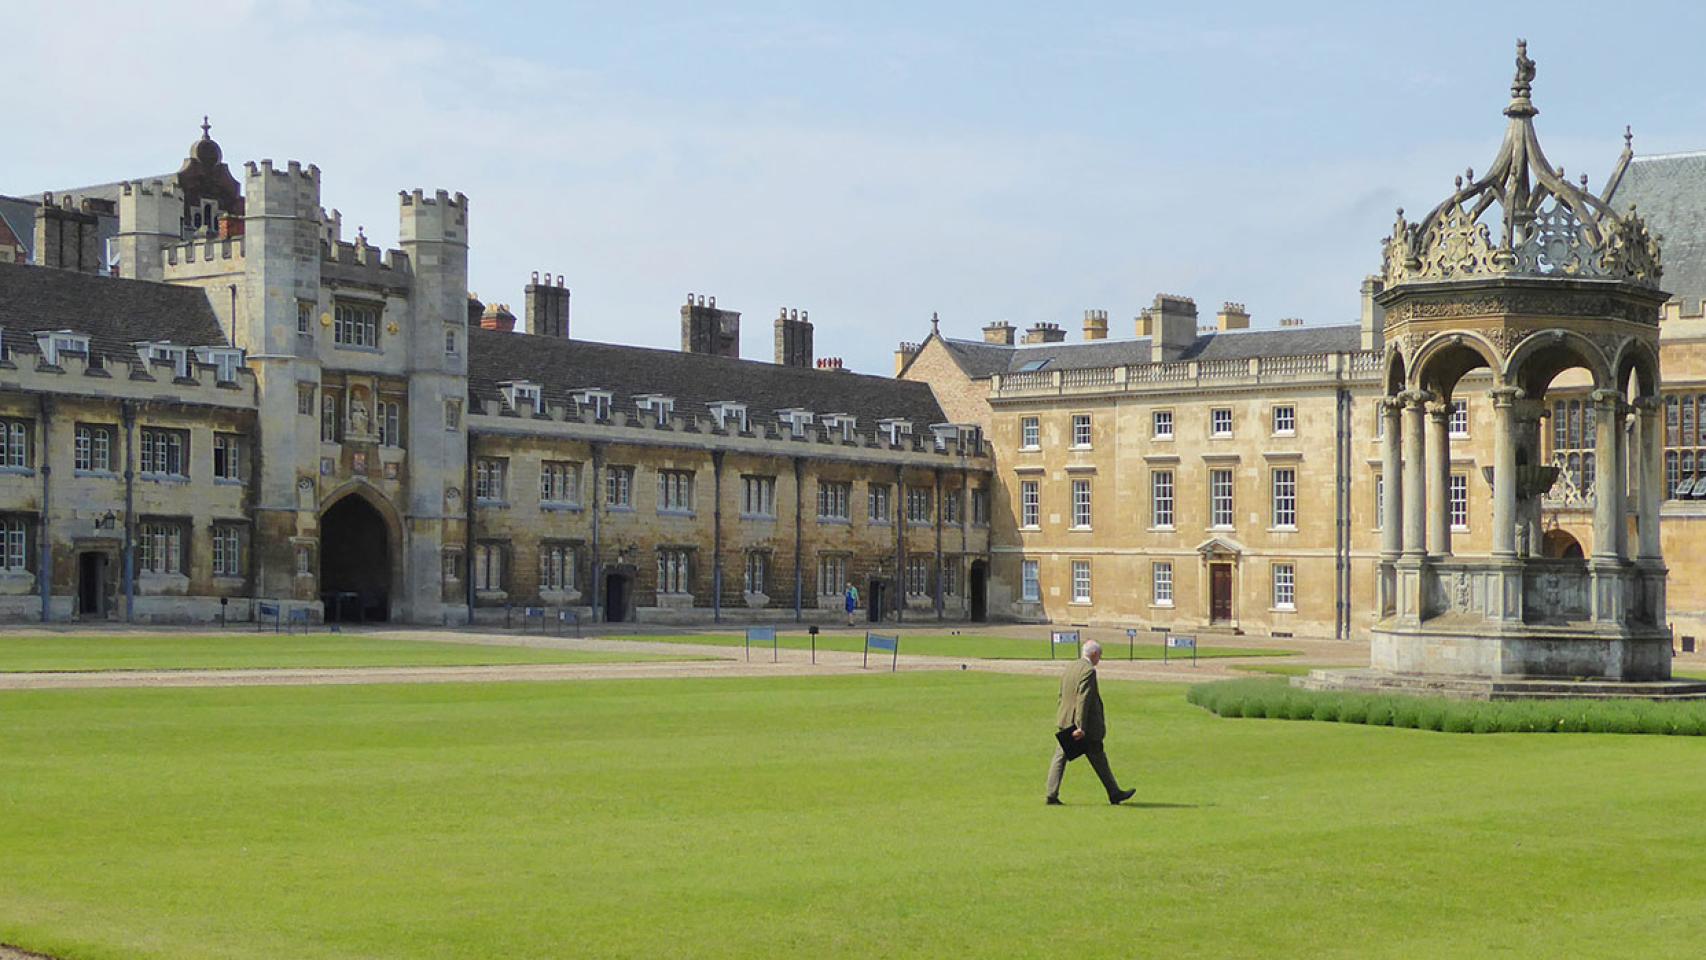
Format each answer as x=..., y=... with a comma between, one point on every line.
x=132, y=379
x=151, y=188
x=293, y=191
x=361, y=254
x=442, y=217
x=205, y=251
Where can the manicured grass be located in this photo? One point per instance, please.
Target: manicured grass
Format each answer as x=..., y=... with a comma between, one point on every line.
x=877, y=815
x=209, y=651
x=969, y=646
x=1277, y=700
x=1276, y=669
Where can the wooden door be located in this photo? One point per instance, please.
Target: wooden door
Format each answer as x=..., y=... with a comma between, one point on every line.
x=1220, y=592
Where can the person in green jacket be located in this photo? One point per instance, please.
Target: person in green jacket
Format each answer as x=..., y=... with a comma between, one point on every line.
x=1081, y=713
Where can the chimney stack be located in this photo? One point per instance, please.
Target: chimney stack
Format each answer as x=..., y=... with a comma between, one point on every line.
x=1291, y=321
x=1000, y=333
x=1044, y=333
x=1095, y=325
x=1373, y=314
x=1232, y=316
x=793, y=338
x=547, y=308
x=706, y=329
x=831, y=364
x=67, y=237
x=498, y=317
x=1170, y=323
x=903, y=355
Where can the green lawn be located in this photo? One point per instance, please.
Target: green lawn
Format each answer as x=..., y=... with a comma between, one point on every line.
x=208, y=651
x=969, y=646
x=864, y=816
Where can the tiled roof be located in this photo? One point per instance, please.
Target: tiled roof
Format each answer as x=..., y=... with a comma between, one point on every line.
x=694, y=380
x=114, y=313
x=20, y=217
x=1669, y=192
x=981, y=359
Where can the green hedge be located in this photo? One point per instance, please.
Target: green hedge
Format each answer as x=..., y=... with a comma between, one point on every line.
x=1279, y=700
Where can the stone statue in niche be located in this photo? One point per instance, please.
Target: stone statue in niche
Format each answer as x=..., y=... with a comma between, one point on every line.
x=358, y=413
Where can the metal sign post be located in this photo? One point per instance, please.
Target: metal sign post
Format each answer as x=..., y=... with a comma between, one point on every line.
x=1180, y=642
x=762, y=634
x=1064, y=636
x=813, y=631
x=1131, y=644
x=877, y=641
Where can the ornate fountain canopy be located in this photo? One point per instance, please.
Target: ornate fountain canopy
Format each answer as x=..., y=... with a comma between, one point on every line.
x=1546, y=226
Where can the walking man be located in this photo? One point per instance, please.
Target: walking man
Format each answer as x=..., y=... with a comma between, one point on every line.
x=1079, y=721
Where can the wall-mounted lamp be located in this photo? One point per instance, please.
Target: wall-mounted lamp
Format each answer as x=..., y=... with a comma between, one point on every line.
x=107, y=521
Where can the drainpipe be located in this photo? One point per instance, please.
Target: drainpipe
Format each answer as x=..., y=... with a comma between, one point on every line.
x=938, y=518
x=127, y=414
x=597, y=558
x=44, y=569
x=899, y=543
x=717, y=536
x=468, y=522
x=799, y=535
x=965, y=540
x=1341, y=517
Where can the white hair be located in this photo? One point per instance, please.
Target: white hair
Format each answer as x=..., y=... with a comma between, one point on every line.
x=1091, y=648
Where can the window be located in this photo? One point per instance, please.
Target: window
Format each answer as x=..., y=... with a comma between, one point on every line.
x=673, y=571
x=305, y=561
x=877, y=503
x=1030, y=586
x=757, y=572
x=524, y=398
x=491, y=478
x=660, y=407
x=1220, y=422
x=831, y=573
x=1379, y=501
x=227, y=456
x=1031, y=366
x=899, y=431
x=452, y=414
x=758, y=496
x=489, y=566
x=1573, y=440
x=1030, y=434
x=1081, y=431
x=1030, y=504
x=1161, y=422
x=1458, y=495
x=1080, y=581
x=619, y=487
x=843, y=424
x=730, y=417
x=1285, y=497
x=162, y=547
x=675, y=491
x=950, y=578
x=556, y=566
x=1081, y=504
x=1220, y=498
x=356, y=324
x=1161, y=499
x=559, y=482
x=1285, y=586
x=918, y=576
x=797, y=420
x=226, y=362
x=305, y=317
x=331, y=424
x=177, y=357
x=1459, y=423
x=305, y=399
x=164, y=452
x=980, y=506
x=54, y=344
x=1285, y=421
x=951, y=506
x=14, y=544
x=450, y=343
x=227, y=550
x=834, y=500
x=1161, y=580
x=15, y=443
x=94, y=447
x=919, y=504
x=389, y=416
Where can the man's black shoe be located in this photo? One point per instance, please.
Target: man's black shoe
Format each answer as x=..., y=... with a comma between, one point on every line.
x=1053, y=801
x=1118, y=798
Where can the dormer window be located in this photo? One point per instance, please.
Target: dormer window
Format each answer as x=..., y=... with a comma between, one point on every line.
x=165, y=352
x=226, y=360
x=897, y=431
x=842, y=425
x=597, y=400
x=798, y=421
x=523, y=397
x=730, y=416
x=657, y=404
x=55, y=342
x=945, y=434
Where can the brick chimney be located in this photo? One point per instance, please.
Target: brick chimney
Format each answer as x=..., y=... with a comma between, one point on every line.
x=67, y=237
x=1170, y=323
x=547, y=308
x=1000, y=333
x=1095, y=324
x=1044, y=333
x=831, y=365
x=1232, y=316
x=706, y=329
x=793, y=338
x=497, y=317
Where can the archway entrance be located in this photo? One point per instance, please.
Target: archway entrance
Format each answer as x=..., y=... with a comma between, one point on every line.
x=979, y=591
x=355, y=562
x=618, y=592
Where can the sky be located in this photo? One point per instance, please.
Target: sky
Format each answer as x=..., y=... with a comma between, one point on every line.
x=871, y=163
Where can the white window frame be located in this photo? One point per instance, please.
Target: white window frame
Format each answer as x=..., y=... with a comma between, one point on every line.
x=1284, y=487
x=1082, y=431
x=524, y=397
x=619, y=487
x=14, y=544
x=675, y=491
x=491, y=479
x=1030, y=582
x=556, y=565
x=560, y=481
x=1285, y=586
x=164, y=452
x=1285, y=420
x=1457, y=426
x=388, y=415
x=675, y=571
x=1081, y=581
x=490, y=559
x=835, y=500
x=1030, y=433
x=94, y=448
x=1220, y=422
x=1222, y=514
x=1161, y=583
x=1161, y=425
x=755, y=577
x=1457, y=502
x=1081, y=503
x=1161, y=499
x=879, y=503
x=758, y=496
x=228, y=457
x=227, y=550
x=1030, y=505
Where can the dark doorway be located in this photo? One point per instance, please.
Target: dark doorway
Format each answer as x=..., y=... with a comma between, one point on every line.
x=1560, y=545
x=874, y=601
x=616, y=590
x=1220, y=592
x=92, y=584
x=979, y=591
x=355, y=563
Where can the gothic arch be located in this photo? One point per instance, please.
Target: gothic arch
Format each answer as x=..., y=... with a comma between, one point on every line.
x=1444, y=359
x=1637, y=360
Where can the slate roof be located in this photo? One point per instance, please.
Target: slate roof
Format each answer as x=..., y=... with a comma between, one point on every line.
x=1669, y=192
x=114, y=313
x=694, y=380
x=980, y=359
x=20, y=217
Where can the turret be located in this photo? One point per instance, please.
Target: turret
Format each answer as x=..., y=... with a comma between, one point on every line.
x=150, y=216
